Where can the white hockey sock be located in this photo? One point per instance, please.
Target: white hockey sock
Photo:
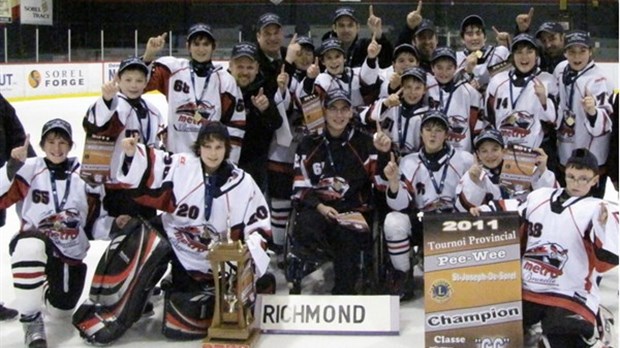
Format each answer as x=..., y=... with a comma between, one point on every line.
x=280, y=210
x=399, y=254
x=28, y=266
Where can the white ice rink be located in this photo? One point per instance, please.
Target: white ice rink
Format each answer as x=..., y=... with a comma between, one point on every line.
x=146, y=332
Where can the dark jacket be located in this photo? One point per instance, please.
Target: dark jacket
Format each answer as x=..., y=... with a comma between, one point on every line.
x=259, y=130
x=356, y=54
x=270, y=70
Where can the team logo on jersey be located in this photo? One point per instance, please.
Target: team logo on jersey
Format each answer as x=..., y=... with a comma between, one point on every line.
x=517, y=125
x=332, y=188
x=190, y=116
x=458, y=128
x=567, y=129
x=441, y=291
x=191, y=237
x=545, y=260
x=64, y=226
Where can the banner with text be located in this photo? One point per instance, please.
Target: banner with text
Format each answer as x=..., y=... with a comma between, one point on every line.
x=472, y=281
x=324, y=314
x=37, y=12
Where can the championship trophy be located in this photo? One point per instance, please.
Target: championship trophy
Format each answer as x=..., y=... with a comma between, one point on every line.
x=234, y=296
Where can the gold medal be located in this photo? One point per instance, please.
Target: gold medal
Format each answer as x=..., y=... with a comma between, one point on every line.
x=197, y=116
x=337, y=185
x=569, y=119
x=478, y=54
x=57, y=225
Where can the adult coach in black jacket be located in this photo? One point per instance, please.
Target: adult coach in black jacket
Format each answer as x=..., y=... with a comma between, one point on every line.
x=346, y=28
x=271, y=54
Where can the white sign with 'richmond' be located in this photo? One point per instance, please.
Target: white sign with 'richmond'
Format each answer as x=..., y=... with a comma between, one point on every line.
x=372, y=315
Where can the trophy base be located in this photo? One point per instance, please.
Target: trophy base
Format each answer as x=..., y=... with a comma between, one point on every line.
x=229, y=343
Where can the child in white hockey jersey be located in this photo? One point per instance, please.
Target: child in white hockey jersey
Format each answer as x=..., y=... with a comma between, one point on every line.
x=486, y=59
x=400, y=114
x=122, y=112
x=480, y=190
x=405, y=57
x=197, y=91
x=361, y=84
x=518, y=101
x=48, y=251
x=569, y=238
x=424, y=181
x=456, y=98
x=584, y=109
x=204, y=197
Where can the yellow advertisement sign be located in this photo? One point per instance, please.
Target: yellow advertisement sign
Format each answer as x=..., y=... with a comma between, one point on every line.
x=472, y=281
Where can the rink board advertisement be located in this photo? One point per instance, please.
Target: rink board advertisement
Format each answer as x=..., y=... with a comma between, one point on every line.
x=472, y=281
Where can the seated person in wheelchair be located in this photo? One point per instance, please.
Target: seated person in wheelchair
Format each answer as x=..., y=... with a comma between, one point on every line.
x=334, y=174
x=204, y=197
x=424, y=181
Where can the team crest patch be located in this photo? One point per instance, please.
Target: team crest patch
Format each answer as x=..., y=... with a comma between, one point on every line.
x=441, y=291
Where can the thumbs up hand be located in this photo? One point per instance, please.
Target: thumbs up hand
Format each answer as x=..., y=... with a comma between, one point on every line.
x=589, y=103
x=314, y=69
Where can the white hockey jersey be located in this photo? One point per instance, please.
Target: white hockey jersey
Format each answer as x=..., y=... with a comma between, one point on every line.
x=121, y=120
x=189, y=106
x=471, y=194
x=462, y=105
x=566, y=249
x=176, y=185
x=56, y=208
x=351, y=81
x=401, y=123
x=492, y=58
x=430, y=191
x=517, y=111
x=575, y=129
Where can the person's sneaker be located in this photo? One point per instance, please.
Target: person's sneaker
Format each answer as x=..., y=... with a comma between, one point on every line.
x=266, y=284
x=34, y=331
x=400, y=285
x=7, y=313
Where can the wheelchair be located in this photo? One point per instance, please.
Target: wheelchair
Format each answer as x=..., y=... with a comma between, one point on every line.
x=300, y=261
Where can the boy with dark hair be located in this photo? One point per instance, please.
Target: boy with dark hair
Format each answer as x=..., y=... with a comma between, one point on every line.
x=569, y=239
x=423, y=182
x=584, y=110
x=122, y=112
x=480, y=190
x=48, y=251
x=406, y=56
x=456, y=98
x=485, y=59
x=197, y=91
x=400, y=114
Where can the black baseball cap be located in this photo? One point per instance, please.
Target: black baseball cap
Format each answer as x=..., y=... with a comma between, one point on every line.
x=549, y=27
x=578, y=38
x=523, y=38
x=330, y=44
x=405, y=48
x=266, y=19
x=443, y=52
x=200, y=28
x=472, y=20
x=135, y=63
x=344, y=12
x=426, y=24
x=213, y=127
x=489, y=134
x=335, y=95
x=56, y=124
x=583, y=158
x=416, y=73
x=244, y=49
x=305, y=41
x=435, y=115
